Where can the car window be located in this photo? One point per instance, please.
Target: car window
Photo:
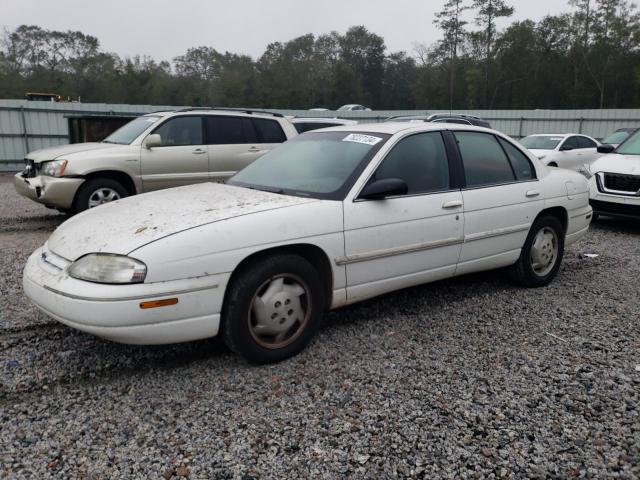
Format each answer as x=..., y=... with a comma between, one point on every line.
x=230, y=130
x=269, y=131
x=420, y=160
x=307, y=126
x=584, y=142
x=519, y=161
x=181, y=131
x=616, y=137
x=571, y=142
x=484, y=160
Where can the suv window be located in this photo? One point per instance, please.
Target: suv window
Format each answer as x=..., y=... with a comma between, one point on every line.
x=519, y=161
x=584, y=142
x=223, y=130
x=420, y=160
x=484, y=160
x=269, y=131
x=181, y=131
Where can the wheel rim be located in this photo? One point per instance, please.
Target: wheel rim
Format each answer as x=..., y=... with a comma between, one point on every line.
x=544, y=251
x=103, y=195
x=279, y=311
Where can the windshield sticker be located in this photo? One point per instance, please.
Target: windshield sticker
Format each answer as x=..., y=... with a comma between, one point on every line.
x=358, y=138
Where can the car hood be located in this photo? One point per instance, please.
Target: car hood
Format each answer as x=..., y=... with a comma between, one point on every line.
x=126, y=225
x=615, y=163
x=52, y=153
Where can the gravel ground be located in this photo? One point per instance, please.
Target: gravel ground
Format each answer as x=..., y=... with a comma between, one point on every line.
x=467, y=378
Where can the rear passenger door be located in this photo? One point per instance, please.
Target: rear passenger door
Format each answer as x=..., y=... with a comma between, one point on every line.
x=236, y=141
x=501, y=200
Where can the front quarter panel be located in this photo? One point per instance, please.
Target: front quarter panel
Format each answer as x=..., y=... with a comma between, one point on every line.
x=221, y=246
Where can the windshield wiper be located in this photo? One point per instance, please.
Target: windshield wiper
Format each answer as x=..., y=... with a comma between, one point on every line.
x=279, y=191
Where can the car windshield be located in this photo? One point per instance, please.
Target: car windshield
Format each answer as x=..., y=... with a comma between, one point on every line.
x=541, y=142
x=132, y=130
x=616, y=137
x=316, y=164
x=631, y=145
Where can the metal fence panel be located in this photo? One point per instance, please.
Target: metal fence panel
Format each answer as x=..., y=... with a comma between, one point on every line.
x=26, y=125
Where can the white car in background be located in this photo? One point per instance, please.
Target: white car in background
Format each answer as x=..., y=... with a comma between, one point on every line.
x=353, y=107
x=615, y=184
x=570, y=150
x=327, y=219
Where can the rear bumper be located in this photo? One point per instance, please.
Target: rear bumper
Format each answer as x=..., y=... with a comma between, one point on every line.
x=114, y=312
x=50, y=191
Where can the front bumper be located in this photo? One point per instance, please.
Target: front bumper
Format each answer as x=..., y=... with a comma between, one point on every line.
x=113, y=312
x=50, y=191
x=624, y=206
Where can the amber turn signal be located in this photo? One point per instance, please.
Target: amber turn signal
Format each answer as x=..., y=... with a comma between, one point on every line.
x=158, y=303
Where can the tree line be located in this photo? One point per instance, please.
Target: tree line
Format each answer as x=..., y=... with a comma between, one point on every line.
x=588, y=57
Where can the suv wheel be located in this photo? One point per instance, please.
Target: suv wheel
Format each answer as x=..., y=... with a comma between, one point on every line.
x=98, y=191
x=273, y=308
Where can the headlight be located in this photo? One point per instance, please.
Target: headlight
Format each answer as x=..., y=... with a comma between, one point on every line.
x=54, y=168
x=108, y=268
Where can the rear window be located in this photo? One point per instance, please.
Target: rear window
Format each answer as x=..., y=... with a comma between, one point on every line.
x=269, y=131
x=520, y=163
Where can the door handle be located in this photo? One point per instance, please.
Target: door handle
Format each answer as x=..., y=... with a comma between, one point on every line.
x=198, y=151
x=532, y=193
x=452, y=204
x=254, y=150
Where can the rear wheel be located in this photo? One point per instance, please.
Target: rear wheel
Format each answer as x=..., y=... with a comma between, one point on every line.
x=273, y=308
x=541, y=254
x=98, y=191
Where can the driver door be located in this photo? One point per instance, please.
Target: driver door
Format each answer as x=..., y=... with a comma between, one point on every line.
x=181, y=159
x=410, y=239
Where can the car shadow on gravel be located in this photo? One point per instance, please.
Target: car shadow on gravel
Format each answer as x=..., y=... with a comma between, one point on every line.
x=618, y=225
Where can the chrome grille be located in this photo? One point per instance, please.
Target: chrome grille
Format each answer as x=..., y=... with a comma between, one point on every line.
x=30, y=169
x=619, y=183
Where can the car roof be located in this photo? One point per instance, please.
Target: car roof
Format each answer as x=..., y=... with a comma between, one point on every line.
x=219, y=111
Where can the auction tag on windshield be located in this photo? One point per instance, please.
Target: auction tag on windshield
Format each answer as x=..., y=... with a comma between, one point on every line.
x=359, y=138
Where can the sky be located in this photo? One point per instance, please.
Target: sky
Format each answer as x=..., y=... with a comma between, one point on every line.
x=164, y=29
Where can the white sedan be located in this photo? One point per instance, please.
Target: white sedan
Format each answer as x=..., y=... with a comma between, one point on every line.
x=327, y=219
x=571, y=150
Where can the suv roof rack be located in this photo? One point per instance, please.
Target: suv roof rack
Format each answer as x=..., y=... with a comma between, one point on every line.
x=230, y=109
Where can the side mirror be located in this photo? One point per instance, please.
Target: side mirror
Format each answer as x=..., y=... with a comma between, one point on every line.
x=383, y=188
x=605, y=148
x=153, y=140
x=566, y=148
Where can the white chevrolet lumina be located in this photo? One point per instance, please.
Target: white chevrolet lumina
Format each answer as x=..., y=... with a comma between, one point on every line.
x=327, y=219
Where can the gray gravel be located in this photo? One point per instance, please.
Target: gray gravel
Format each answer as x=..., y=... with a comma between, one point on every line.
x=468, y=378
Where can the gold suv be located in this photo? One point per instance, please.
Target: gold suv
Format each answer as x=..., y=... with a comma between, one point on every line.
x=154, y=151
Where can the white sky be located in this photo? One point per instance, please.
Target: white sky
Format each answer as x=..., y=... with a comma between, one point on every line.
x=164, y=29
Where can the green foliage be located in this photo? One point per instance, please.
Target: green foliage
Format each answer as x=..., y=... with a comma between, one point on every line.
x=586, y=58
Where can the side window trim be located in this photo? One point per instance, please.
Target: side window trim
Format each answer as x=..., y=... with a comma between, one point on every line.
x=203, y=132
x=533, y=170
x=452, y=186
x=464, y=185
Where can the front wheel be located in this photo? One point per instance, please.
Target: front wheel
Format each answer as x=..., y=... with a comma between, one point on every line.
x=273, y=308
x=541, y=254
x=98, y=191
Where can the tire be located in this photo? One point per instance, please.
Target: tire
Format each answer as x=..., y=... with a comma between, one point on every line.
x=273, y=308
x=88, y=194
x=547, y=232
x=594, y=217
